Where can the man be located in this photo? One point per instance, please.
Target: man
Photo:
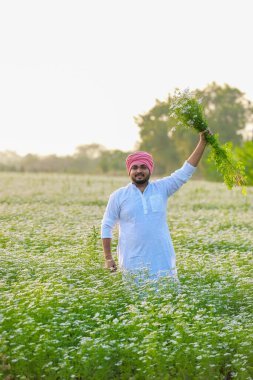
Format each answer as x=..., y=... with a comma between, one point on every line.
x=140, y=210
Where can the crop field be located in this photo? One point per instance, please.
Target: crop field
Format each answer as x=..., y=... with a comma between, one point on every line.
x=63, y=316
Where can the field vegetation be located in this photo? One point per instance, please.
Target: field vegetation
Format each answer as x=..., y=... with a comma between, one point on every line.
x=63, y=316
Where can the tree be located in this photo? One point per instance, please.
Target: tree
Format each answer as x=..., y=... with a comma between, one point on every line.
x=155, y=138
x=91, y=151
x=245, y=155
x=113, y=161
x=30, y=163
x=87, y=157
x=227, y=112
x=10, y=161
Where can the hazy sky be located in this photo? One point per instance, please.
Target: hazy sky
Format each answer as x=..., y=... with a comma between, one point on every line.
x=76, y=72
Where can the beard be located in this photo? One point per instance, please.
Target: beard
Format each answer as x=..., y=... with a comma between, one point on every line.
x=141, y=181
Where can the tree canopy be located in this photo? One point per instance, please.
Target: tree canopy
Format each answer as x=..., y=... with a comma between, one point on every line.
x=227, y=112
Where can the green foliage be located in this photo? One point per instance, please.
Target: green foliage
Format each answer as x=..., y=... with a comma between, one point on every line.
x=63, y=316
x=154, y=128
x=187, y=111
x=89, y=159
x=113, y=161
x=245, y=155
x=226, y=112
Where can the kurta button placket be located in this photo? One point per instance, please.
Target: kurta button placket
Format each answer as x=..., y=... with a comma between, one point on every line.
x=143, y=200
x=144, y=204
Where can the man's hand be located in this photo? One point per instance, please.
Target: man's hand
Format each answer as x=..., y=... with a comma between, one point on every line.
x=110, y=264
x=199, y=150
x=202, y=135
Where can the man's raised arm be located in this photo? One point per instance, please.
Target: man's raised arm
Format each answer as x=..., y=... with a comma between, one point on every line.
x=199, y=150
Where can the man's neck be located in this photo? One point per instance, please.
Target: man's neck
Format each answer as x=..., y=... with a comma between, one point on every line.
x=141, y=186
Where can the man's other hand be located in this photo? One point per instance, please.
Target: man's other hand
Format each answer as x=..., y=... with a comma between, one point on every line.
x=110, y=264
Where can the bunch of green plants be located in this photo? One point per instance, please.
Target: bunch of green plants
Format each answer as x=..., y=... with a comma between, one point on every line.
x=187, y=111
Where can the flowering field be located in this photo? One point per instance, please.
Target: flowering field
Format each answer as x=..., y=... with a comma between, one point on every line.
x=63, y=316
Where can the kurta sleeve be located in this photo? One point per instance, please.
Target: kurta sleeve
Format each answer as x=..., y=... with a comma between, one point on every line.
x=111, y=217
x=173, y=182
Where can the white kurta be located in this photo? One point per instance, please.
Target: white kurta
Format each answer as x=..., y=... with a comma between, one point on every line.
x=144, y=237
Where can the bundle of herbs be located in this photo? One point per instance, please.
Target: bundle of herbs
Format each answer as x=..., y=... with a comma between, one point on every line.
x=187, y=111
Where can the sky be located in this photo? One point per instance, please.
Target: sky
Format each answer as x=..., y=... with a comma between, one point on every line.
x=78, y=72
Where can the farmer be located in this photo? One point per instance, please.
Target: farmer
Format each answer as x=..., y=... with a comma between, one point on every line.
x=140, y=210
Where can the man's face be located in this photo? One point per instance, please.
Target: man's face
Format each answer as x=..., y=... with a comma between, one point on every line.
x=139, y=174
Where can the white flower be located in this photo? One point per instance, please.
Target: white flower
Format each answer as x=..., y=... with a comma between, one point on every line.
x=85, y=339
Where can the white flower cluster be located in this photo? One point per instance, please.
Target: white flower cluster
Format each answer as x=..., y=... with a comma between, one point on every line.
x=63, y=316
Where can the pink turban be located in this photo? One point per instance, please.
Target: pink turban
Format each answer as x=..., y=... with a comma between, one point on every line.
x=140, y=158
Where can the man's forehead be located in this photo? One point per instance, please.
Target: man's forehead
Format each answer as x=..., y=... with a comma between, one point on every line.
x=139, y=165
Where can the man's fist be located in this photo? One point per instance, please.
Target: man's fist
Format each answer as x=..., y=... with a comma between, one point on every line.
x=110, y=264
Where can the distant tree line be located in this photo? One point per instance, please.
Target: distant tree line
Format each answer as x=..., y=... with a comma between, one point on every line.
x=89, y=159
x=226, y=109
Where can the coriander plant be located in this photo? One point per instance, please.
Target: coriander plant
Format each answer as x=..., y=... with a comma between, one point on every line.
x=187, y=111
